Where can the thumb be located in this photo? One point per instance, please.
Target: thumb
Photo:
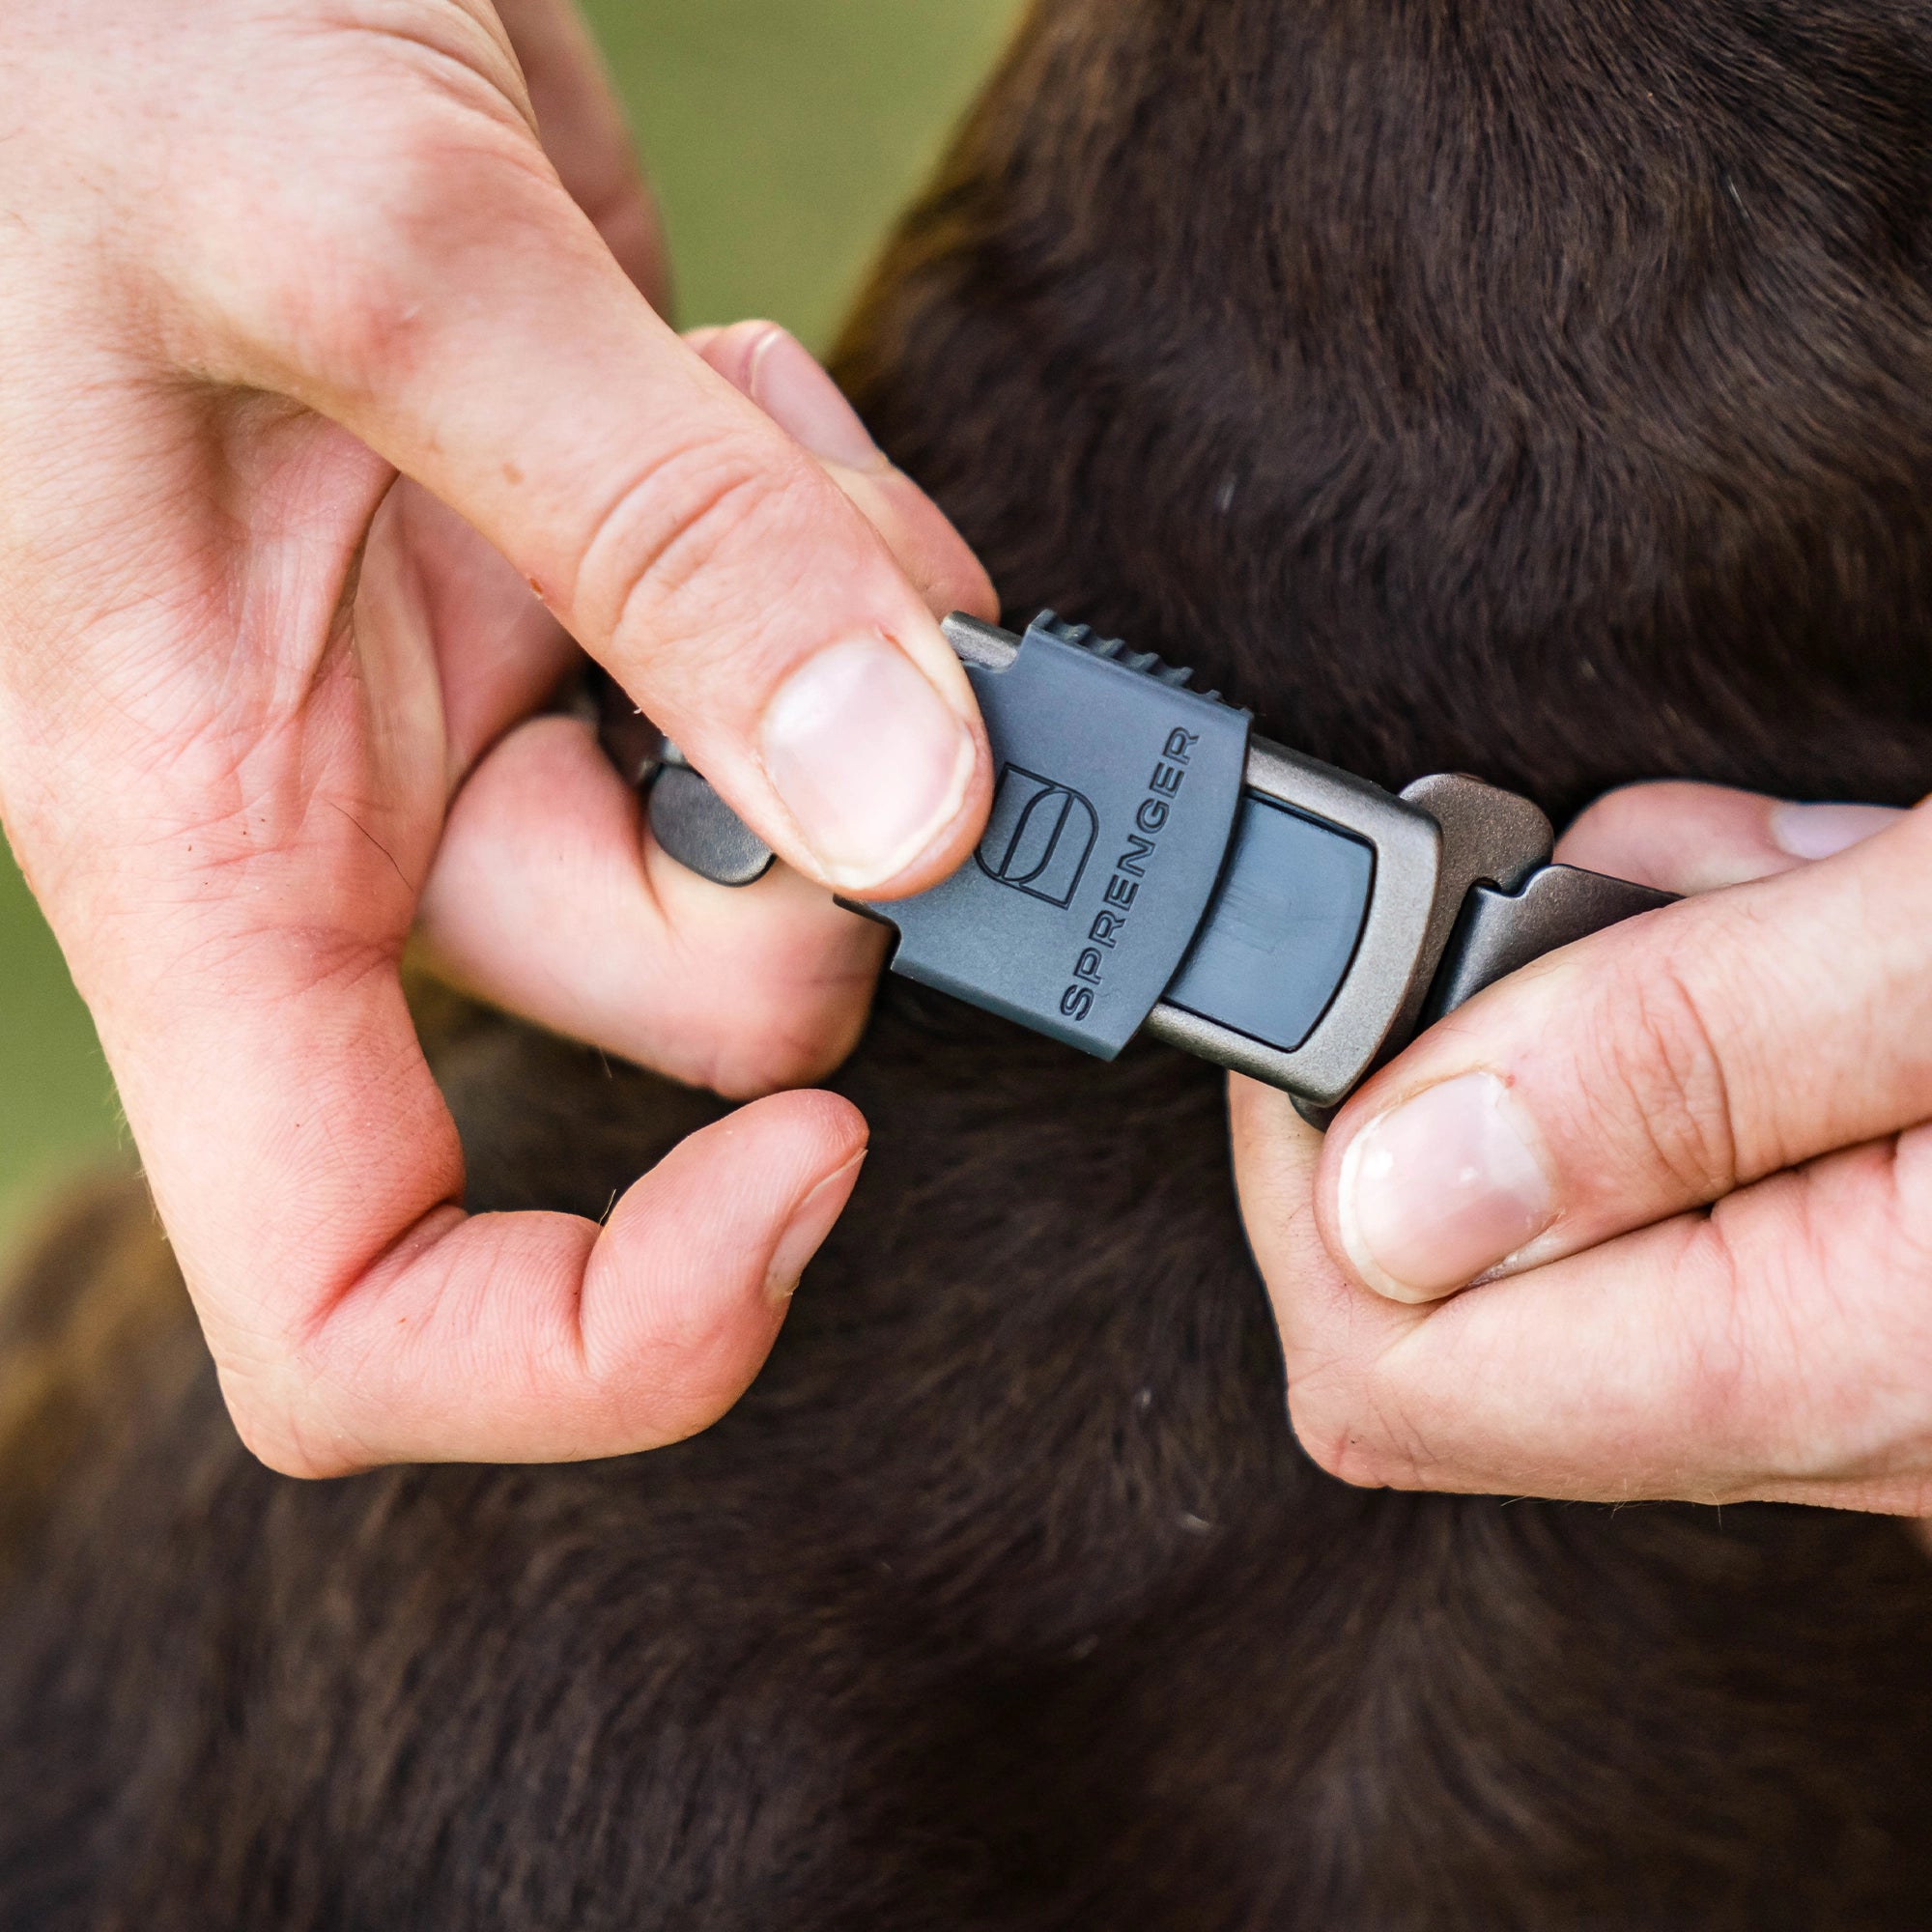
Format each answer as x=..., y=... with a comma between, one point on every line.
x=582, y=125
x=479, y=334
x=1651, y=1068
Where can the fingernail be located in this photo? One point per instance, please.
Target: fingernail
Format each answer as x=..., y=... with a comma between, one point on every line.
x=1442, y=1189
x=807, y=404
x=1820, y=830
x=872, y=761
x=804, y=1233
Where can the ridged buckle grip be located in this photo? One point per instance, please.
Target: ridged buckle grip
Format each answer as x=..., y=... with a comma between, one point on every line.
x=1115, y=793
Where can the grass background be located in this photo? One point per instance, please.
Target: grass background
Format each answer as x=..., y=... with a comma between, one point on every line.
x=780, y=136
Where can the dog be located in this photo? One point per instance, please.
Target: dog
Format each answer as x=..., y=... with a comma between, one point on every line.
x=1525, y=386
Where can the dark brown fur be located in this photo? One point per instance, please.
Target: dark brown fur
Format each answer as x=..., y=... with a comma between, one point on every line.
x=1544, y=389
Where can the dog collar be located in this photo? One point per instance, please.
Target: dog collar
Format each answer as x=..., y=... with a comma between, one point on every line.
x=1151, y=865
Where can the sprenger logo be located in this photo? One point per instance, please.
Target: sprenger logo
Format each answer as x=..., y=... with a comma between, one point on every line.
x=1129, y=875
x=1039, y=836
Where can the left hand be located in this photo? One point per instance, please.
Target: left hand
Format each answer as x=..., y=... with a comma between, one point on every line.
x=1688, y=1164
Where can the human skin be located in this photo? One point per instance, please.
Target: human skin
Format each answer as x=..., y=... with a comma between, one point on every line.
x=1688, y=1162
x=261, y=702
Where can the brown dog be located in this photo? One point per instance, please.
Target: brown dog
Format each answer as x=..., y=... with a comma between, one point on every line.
x=1529, y=386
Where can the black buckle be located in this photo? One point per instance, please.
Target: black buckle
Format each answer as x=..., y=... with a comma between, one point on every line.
x=1148, y=864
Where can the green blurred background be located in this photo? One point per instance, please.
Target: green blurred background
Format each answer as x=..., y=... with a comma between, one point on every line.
x=780, y=135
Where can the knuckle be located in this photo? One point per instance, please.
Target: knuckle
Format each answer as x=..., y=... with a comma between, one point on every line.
x=274, y=1434
x=330, y=302
x=669, y=530
x=1366, y=1418
x=1332, y=1445
x=275, y=1404
x=1341, y=1437
x=781, y=1051
x=1721, y=1348
x=1663, y=1058
x=347, y=284
x=1752, y=1385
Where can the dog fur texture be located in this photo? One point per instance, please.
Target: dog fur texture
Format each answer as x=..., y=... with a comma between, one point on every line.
x=1533, y=387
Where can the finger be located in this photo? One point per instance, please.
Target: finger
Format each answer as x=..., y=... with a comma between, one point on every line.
x=492, y=350
x=1772, y=1349
x=777, y=371
x=270, y=1064
x=1691, y=838
x=581, y=122
x=1652, y=1068
x=533, y=1338
x=1334, y=1332
x=1277, y=1156
x=429, y=578
x=546, y=899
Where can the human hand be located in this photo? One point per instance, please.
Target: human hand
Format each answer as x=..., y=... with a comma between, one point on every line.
x=261, y=255
x=1688, y=1161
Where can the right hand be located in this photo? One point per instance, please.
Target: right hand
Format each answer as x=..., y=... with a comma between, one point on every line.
x=1651, y=1217
x=259, y=256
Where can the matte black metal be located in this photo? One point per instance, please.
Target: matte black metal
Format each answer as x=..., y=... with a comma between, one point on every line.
x=1390, y=956
x=1489, y=837
x=1500, y=931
